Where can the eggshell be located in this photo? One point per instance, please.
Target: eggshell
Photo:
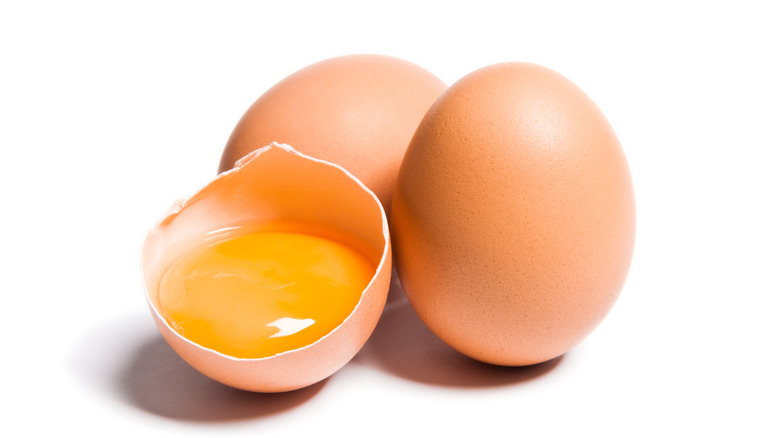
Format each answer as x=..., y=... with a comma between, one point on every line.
x=513, y=218
x=274, y=183
x=358, y=111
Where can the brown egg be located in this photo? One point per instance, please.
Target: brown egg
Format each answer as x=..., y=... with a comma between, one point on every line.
x=273, y=184
x=513, y=218
x=357, y=111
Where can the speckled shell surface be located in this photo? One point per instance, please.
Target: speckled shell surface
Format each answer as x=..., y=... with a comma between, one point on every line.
x=357, y=111
x=274, y=183
x=513, y=218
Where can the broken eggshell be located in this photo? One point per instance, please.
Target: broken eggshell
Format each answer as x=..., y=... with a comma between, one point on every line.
x=274, y=183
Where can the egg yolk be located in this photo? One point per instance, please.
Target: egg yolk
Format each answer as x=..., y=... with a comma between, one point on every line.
x=257, y=294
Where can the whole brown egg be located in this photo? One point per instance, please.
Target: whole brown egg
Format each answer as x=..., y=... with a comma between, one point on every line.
x=513, y=217
x=357, y=111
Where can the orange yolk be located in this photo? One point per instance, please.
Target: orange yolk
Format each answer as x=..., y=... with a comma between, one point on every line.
x=257, y=294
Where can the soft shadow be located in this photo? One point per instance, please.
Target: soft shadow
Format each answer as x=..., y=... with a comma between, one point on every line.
x=403, y=346
x=147, y=374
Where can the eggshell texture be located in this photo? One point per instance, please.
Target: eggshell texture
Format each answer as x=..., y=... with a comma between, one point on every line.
x=357, y=111
x=274, y=183
x=513, y=218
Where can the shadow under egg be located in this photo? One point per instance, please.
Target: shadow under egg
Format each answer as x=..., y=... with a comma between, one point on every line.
x=127, y=360
x=402, y=345
x=158, y=381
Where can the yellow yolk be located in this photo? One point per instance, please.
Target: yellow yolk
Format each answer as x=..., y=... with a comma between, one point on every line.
x=253, y=295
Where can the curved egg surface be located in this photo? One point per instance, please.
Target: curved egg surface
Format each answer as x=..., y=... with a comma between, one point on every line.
x=357, y=111
x=513, y=217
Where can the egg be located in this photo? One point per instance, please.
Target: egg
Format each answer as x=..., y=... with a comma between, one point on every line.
x=513, y=217
x=199, y=287
x=357, y=111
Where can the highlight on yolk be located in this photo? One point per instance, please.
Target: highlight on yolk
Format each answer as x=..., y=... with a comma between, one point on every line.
x=254, y=294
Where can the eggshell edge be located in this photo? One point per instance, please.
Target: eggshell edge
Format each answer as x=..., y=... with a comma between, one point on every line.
x=297, y=368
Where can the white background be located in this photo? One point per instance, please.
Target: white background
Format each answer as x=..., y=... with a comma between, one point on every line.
x=109, y=113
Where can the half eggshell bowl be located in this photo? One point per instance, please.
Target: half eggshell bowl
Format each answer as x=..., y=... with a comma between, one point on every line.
x=274, y=183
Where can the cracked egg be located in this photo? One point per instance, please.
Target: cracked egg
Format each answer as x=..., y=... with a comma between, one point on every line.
x=272, y=276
